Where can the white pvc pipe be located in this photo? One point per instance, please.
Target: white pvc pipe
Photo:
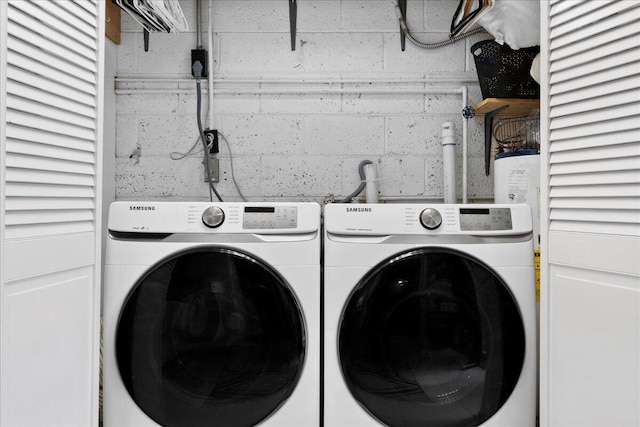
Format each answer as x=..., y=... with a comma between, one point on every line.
x=449, y=162
x=301, y=80
x=299, y=91
x=371, y=180
x=465, y=146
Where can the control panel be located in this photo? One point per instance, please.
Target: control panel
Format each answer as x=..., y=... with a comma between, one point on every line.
x=420, y=219
x=485, y=219
x=471, y=219
x=202, y=217
x=269, y=217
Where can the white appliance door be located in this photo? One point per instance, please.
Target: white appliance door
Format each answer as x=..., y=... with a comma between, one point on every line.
x=431, y=337
x=211, y=336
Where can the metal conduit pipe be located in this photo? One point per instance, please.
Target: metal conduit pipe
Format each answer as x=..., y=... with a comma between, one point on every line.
x=198, y=33
x=210, y=79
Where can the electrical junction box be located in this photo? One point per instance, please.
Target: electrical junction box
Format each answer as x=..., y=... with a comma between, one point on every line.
x=214, y=166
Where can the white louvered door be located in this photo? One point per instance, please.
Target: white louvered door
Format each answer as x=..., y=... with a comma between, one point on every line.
x=590, y=360
x=50, y=98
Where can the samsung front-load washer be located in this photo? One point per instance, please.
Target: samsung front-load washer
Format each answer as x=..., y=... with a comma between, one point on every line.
x=429, y=315
x=212, y=315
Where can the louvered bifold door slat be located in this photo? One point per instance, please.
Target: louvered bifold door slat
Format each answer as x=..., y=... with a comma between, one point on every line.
x=590, y=251
x=594, y=112
x=51, y=118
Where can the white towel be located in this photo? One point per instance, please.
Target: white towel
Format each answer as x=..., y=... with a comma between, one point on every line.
x=514, y=22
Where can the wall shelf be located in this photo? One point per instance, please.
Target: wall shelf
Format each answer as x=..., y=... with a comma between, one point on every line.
x=515, y=106
x=491, y=107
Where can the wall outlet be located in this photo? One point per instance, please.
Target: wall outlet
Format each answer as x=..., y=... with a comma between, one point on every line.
x=214, y=165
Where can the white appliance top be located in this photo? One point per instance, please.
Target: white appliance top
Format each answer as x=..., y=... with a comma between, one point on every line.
x=214, y=217
x=427, y=219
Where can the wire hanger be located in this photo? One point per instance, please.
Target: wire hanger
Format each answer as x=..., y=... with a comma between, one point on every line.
x=155, y=15
x=467, y=15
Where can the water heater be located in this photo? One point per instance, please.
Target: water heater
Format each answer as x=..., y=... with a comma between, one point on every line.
x=517, y=180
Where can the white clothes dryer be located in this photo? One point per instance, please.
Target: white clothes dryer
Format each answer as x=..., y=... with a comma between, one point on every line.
x=212, y=315
x=429, y=314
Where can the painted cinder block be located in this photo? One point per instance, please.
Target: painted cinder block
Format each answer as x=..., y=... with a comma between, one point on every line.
x=143, y=104
x=445, y=60
x=401, y=175
x=236, y=16
x=318, y=15
x=381, y=103
x=363, y=15
x=344, y=135
x=226, y=103
x=126, y=135
x=169, y=52
x=158, y=136
x=159, y=177
x=419, y=135
x=127, y=53
x=307, y=144
x=300, y=176
x=479, y=186
x=264, y=134
x=437, y=16
x=301, y=103
x=256, y=52
x=246, y=170
x=344, y=52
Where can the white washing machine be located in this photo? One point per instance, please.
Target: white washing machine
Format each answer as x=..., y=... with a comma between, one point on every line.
x=212, y=315
x=429, y=314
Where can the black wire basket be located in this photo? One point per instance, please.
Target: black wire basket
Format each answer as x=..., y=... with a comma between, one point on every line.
x=504, y=72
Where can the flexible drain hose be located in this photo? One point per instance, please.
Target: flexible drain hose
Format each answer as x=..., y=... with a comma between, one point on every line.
x=363, y=182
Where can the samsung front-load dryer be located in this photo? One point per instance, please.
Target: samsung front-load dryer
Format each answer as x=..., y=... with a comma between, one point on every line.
x=212, y=315
x=429, y=316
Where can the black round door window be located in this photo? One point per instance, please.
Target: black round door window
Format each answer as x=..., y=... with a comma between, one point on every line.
x=431, y=337
x=210, y=337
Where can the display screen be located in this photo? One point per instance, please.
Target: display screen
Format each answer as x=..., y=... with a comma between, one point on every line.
x=259, y=209
x=469, y=211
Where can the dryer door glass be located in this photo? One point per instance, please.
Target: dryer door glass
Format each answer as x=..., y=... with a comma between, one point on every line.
x=431, y=337
x=210, y=337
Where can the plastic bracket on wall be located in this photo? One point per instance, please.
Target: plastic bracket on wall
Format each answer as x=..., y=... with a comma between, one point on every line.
x=293, y=17
x=403, y=9
x=488, y=133
x=146, y=40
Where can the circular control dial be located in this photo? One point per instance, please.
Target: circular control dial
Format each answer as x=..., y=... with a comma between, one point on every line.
x=430, y=219
x=213, y=217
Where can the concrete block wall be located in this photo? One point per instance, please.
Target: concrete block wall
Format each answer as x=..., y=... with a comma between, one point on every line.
x=297, y=122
